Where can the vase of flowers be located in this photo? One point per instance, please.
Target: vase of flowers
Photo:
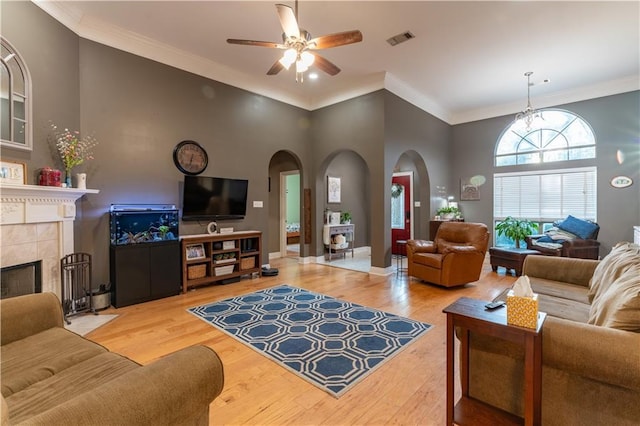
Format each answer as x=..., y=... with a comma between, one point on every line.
x=73, y=149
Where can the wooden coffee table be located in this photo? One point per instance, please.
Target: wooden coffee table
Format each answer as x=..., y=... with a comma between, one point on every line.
x=510, y=258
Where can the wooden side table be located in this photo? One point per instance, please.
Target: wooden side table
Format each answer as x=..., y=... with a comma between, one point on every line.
x=471, y=315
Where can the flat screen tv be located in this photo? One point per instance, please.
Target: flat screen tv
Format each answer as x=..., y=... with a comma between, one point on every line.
x=214, y=198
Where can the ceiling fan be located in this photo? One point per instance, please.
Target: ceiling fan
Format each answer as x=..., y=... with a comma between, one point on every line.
x=298, y=44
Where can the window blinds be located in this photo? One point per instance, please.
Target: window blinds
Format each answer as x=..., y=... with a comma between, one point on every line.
x=546, y=195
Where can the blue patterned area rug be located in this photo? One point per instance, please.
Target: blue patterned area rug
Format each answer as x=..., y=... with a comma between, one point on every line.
x=329, y=342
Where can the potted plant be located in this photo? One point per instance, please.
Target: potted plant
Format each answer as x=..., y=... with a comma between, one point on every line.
x=345, y=218
x=516, y=229
x=448, y=212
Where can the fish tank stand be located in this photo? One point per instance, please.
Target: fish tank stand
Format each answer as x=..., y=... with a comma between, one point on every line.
x=144, y=253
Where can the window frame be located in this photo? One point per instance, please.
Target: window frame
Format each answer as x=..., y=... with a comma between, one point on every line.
x=532, y=145
x=27, y=96
x=543, y=220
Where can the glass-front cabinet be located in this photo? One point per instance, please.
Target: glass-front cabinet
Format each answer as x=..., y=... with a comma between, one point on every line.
x=143, y=223
x=144, y=253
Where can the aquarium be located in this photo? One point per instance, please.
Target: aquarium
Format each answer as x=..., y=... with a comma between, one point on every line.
x=142, y=223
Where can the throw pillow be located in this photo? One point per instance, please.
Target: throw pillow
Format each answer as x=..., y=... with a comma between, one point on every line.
x=621, y=258
x=619, y=306
x=582, y=228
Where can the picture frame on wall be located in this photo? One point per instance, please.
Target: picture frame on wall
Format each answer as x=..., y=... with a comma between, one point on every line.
x=469, y=191
x=333, y=189
x=13, y=173
x=194, y=251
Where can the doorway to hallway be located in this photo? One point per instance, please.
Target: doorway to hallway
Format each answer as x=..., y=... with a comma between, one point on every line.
x=290, y=213
x=401, y=217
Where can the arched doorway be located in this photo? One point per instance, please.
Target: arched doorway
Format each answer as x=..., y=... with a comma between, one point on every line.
x=410, y=200
x=285, y=205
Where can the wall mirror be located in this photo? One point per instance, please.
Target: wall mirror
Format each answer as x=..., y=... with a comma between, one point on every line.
x=15, y=99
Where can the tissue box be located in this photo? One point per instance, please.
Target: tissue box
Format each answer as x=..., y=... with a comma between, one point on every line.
x=522, y=311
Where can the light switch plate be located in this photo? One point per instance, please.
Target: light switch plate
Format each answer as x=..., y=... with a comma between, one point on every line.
x=257, y=204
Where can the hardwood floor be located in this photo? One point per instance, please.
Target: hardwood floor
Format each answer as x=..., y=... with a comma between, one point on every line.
x=408, y=389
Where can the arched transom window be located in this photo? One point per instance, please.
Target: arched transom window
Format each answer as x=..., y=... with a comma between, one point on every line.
x=15, y=99
x=557, y=136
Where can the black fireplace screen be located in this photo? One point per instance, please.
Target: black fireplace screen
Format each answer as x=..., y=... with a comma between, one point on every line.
x=21, y=279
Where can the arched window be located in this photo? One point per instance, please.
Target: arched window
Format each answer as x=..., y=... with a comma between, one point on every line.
x=543, y=195
x=557, y=136
x=15, y=99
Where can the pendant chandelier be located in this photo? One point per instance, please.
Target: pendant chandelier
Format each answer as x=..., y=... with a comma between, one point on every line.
x=529, y=114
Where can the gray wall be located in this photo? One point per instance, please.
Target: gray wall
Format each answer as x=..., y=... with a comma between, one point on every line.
x=417, y=141
x=51, y=53
x=141, y=109
x=355, y=125
x=615, y=122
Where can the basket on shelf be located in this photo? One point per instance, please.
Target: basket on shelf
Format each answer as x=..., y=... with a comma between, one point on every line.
x=223, y=270
x=196, y=271
x=248, y=263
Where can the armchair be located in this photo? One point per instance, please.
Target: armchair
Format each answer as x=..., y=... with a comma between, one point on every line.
x=455, y=256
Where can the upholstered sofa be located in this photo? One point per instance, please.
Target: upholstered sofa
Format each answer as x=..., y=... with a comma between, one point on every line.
x=590, y=343
x=453, y=258
x=51, y=376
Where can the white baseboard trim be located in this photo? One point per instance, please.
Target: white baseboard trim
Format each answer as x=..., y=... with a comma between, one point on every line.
x=389, y=270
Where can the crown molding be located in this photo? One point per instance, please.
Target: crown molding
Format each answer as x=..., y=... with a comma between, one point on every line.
x=406, y=92
x=583, y=93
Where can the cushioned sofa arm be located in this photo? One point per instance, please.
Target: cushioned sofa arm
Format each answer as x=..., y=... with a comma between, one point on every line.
x=174, y=390
x=599, y=353
x=563, y=269
x=25, y=316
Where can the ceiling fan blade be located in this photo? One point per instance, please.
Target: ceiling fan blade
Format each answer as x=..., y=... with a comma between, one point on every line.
x=325, y=65
x=256, y=43
x=288, y=21
x=334, y=40
x=275, y=68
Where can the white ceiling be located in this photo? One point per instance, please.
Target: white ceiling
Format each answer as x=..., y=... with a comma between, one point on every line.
x=466, y=63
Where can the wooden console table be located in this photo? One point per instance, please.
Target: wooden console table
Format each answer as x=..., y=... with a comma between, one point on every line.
x=471, y=315
x=343, y=229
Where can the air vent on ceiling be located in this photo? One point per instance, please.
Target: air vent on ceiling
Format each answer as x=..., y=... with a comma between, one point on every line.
x=400, y=38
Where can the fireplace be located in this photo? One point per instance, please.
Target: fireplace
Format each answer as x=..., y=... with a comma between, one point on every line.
x=36, y=224
x=21, y=279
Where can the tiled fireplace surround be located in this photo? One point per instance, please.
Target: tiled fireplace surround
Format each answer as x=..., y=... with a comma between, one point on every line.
x=37, y=224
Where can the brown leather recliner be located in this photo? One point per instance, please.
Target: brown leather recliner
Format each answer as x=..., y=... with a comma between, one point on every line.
x=454, y=258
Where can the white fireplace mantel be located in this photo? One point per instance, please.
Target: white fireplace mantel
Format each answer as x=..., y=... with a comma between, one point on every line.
x=38, y=191
x=37, y=224
x=37, y=204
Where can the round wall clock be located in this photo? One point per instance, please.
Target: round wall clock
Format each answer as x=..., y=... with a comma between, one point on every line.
x=190, y=157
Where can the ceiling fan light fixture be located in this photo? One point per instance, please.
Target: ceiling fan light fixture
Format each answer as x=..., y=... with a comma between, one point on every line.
x=289, y=57
x=307, y=58
x=296, y=42
x=301, y=67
